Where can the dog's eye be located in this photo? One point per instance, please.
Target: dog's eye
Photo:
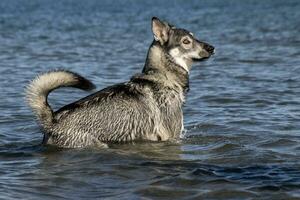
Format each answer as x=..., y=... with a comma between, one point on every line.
x=186, y=41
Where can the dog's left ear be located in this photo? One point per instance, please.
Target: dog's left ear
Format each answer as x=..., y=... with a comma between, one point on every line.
x=160, y=30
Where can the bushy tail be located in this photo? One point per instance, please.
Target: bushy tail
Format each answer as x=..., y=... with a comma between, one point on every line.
x=37, y=92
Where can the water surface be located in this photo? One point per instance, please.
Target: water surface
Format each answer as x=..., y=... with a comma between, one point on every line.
x=242, y=114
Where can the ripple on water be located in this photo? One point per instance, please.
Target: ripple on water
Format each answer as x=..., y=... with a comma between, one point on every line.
x=241, y=113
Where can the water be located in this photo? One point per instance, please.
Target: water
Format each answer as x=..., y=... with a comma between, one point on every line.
x=242, y=113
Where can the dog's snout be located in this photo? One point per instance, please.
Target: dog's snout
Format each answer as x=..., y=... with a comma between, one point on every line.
x=210, y=49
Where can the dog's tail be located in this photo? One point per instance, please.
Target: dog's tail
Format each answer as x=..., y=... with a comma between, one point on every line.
x=37, y=92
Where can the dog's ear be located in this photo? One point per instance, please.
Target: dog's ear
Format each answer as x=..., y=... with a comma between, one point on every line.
x=160, y=30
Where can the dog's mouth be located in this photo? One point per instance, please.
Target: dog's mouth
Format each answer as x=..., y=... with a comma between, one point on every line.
x=200, y=59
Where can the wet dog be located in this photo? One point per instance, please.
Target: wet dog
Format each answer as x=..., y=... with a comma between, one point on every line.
x=146, y=108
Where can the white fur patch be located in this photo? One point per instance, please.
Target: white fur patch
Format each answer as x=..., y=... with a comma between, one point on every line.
x=179, y=59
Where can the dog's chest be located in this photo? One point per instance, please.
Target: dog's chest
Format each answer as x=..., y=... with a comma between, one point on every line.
x=170, y=105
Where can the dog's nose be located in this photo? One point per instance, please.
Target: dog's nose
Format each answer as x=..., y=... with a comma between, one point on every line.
x=210, y=49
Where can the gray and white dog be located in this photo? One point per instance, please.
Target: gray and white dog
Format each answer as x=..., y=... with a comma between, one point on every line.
x=146, y=108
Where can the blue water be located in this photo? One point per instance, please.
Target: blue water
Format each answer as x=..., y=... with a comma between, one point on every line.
x=242, y=114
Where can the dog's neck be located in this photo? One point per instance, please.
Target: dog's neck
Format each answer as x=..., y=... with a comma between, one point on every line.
x=159, y=62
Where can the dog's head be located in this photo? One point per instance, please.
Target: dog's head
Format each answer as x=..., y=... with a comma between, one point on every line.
x=180, y=44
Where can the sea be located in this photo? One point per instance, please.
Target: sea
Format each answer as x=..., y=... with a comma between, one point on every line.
x=241, y=115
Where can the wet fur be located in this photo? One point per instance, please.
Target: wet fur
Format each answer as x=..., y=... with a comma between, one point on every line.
x=146, y=108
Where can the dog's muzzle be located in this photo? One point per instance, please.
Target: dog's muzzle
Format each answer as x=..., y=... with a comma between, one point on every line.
x=210, y=49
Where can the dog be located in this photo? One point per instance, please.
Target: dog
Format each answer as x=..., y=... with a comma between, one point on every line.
x=146, y=108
